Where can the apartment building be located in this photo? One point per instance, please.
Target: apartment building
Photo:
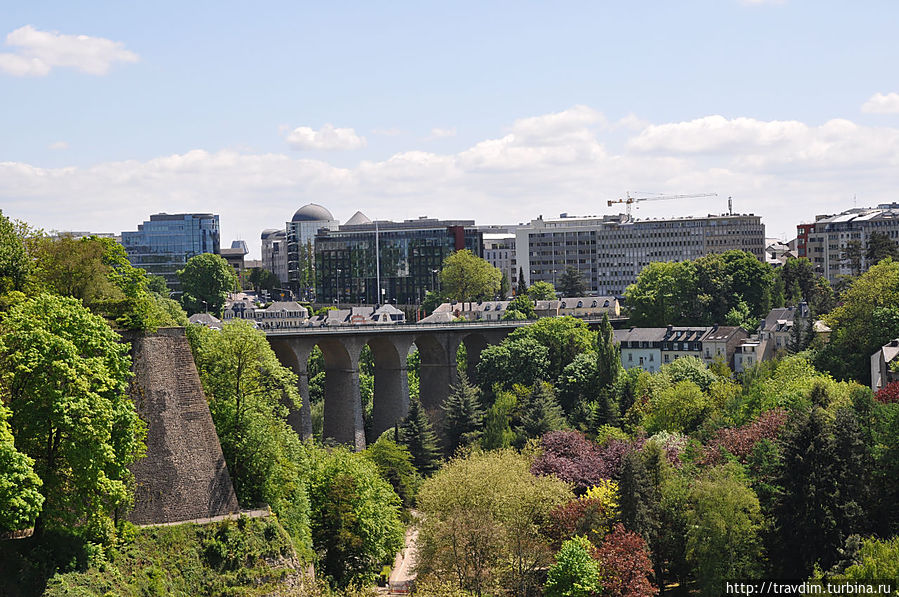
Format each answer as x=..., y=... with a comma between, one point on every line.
x=826, y=241
x=499, y=251
x=610, y=251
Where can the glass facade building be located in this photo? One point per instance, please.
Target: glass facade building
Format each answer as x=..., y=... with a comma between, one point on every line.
x=411, y=254
x=162, y=245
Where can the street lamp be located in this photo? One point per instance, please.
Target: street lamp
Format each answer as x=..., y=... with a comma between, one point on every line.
x=337, y=285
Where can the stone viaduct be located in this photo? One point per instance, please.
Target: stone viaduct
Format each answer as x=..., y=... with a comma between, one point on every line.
x=390, y=344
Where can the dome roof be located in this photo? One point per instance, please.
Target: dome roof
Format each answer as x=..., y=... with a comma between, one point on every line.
x=312, y=213
x=358, y=219
x=269, y=232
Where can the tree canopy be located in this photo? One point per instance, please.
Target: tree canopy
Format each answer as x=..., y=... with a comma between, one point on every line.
x=65, y=375
x=206, y=281
x=467, y=277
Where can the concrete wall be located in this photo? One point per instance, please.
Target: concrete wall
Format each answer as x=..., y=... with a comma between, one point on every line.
x=183, y=475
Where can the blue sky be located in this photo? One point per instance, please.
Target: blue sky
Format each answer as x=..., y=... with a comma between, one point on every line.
x=496, y=111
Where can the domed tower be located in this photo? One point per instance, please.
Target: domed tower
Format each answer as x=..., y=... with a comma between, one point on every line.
x=301, y=231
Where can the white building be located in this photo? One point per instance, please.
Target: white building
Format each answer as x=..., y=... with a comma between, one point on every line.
x=499, y=251
x=610, y=251
x=274, y=253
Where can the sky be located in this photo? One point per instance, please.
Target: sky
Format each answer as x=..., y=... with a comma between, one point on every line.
x=493, y=111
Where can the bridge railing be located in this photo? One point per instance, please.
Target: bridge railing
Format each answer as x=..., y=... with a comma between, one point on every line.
x=412, y=326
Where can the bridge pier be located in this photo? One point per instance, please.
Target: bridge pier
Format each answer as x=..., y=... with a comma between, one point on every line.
x=391, y=399
x=343, y=402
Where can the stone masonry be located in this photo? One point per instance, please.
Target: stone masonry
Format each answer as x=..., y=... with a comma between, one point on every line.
x=184, y=475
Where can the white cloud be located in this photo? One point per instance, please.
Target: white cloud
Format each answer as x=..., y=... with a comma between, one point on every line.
x=787, y=171
x=439, y=133
x=326, y=137
x=38, y=52
x=392, y=132
x=58, y=146
x=882, y=103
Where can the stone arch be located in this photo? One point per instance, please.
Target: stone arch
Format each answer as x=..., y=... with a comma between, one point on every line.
x=391, y=394
x=295, y=355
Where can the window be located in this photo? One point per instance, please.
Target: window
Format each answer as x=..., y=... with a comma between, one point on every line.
x=630, y=357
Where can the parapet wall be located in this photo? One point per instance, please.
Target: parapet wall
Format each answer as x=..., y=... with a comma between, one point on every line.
x=184, y=475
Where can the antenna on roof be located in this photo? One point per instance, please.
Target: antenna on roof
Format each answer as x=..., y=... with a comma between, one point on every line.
x=730, y=206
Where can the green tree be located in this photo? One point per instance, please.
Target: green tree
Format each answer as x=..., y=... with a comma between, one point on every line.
x=577, y=386
x=608, y=356
x=575, y=573
x=249, y=392
x=157, y=284
x=515, y=360
x=14, y=263
x=394, y=462
x=206, y=281
x=880, y=246
x=563, y=337
x=852, y=256
x=724, y=525
x=542, y=291
x=521, y=307
x=417, y=435
x=20, y=495
x=859, y=325
x=571, y=282
x=522, y=288
x=505, y=287
x=682, y=408
x=467, y=277
x=539, y=412
x=463, y=416
x=659, y=293
x=805, y=512
x=482, y=520
x=65, y=374
x=356, y=526
x=262, y=279
x=498, y=422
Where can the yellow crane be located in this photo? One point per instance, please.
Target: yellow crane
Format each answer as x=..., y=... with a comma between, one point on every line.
x=628, y=200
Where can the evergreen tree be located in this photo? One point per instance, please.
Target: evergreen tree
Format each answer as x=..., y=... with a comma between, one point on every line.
x=505, y=287
x=880, y=246
x=571, y=282
x=417, y=434
x=805, y=515
x=540, y=412
x=608, y=359
x=521, y=289
x=464, y=417
x=638, y=498
x=852, y=466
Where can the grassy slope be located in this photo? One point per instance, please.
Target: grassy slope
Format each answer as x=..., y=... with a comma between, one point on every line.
x=247, y=557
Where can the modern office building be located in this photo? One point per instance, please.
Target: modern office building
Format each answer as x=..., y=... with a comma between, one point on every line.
x=235, y=255
x=403, y=257
x=164, y=243
x=610, y=251
x=300, y=232
x=825, y=242
x=274, y=253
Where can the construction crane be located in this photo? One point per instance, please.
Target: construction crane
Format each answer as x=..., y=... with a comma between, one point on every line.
x=628, y=200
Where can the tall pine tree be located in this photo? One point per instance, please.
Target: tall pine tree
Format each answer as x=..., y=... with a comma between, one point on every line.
x=608, y=359
x=521, y=289
x=539, y=412
x=417, y=434
x=464, y=417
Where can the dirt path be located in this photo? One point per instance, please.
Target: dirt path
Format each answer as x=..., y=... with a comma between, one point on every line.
x=401, y=576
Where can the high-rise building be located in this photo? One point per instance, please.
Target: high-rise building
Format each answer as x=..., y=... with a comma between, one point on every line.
x=406, y=264
x=164, y=243
x=610, y=251
x=274, y=253
x=300, y=232
x=827, y=240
